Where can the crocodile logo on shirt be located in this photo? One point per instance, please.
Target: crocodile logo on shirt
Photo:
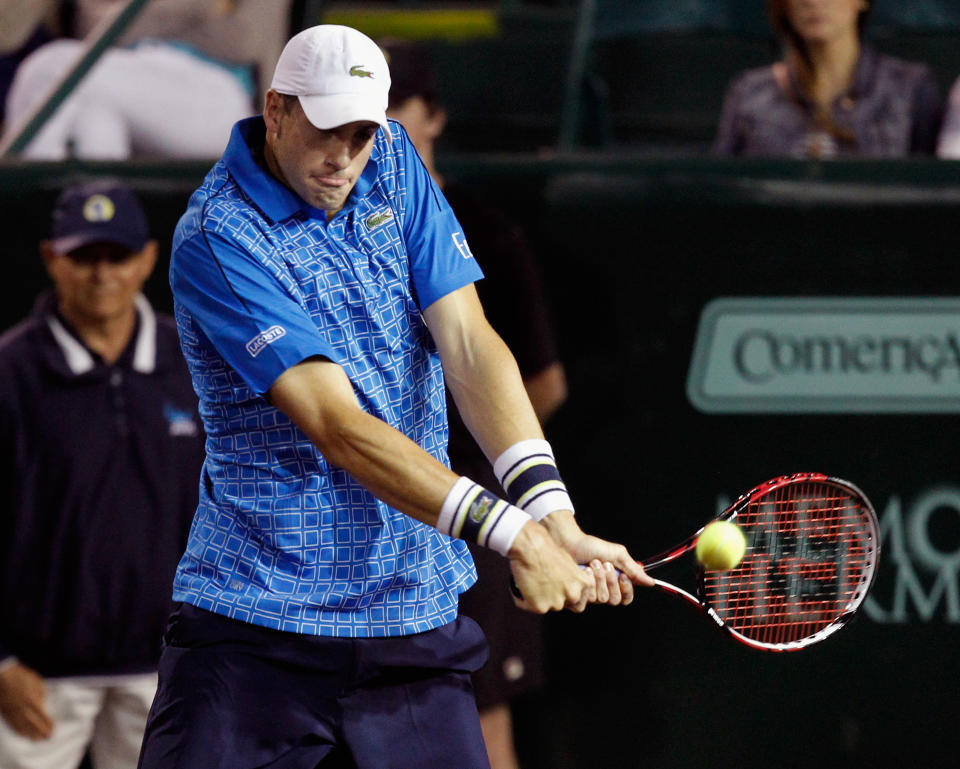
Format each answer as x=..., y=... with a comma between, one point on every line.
x=377, y=218
x=358, y=71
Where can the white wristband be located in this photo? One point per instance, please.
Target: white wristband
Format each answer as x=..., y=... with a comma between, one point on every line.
x=528, y=473
x=519, y=451
x=452, y=503
x=471, y=512
x=506, y=530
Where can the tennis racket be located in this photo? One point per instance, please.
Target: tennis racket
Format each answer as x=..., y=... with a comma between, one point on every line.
x=812, y=549
x=813, y=545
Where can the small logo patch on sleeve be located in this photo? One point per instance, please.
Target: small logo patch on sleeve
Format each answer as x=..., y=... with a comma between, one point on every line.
x=255, y=346
x=460, y=241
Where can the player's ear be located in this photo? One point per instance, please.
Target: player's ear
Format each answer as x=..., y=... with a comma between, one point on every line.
x=273, y=109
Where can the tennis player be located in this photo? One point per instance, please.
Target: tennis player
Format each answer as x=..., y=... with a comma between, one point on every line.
x=323, y=289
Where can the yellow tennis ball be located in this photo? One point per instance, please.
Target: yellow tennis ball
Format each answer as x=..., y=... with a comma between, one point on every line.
x=721, y=546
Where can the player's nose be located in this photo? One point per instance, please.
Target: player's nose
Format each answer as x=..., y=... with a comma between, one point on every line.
x=339, y=154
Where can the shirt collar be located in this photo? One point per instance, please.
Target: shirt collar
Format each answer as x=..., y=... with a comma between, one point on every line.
x=274, y=199
x=80, y=360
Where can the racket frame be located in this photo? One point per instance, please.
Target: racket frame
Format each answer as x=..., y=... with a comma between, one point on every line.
x=730, y=514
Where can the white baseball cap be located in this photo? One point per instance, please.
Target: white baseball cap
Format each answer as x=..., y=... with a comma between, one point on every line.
x=339, y=74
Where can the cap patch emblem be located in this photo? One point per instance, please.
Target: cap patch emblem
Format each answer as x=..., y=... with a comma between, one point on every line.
x=98, y=208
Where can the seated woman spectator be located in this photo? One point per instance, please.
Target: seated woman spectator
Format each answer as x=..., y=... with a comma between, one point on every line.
x=831, y=95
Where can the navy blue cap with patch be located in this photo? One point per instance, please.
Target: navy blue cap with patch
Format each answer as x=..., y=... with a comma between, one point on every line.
x=104, y=211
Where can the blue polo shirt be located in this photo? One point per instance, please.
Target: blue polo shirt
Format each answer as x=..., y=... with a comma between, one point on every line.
x=261, y=281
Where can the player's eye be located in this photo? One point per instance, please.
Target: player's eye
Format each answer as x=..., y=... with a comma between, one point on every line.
x=361, y=137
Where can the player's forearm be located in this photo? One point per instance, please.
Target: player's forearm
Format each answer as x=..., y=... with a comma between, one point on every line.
x=490, y=395
x=394, y=468
x=388, y=464
x=481, y=373
x=318, y=397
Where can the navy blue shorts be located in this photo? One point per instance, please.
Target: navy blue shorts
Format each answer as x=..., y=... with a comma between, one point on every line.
x=238, y=696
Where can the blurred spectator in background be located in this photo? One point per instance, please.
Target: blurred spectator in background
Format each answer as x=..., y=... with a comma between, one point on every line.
x=832, y=94
x=513, y=299
x=25, y=25
x=101, y=449
x=173, y=87
x=949, y=144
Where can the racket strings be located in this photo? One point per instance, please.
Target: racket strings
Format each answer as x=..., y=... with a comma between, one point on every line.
x=808, y=559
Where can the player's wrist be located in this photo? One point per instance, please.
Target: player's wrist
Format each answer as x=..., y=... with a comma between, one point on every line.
x=563, y=527
x=530, y=540
x=476, y=514
x=528, y=473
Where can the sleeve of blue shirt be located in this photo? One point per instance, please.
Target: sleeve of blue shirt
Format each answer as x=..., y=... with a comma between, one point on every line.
x=254, y=323
x=440, y=259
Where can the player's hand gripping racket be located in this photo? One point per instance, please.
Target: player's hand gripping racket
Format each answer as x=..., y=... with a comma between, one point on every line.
x=812, y=550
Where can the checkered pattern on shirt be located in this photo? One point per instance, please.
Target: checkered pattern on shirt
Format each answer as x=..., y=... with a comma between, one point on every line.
x=282, y=539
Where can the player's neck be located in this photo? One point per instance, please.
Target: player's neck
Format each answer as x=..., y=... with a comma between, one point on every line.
x=268, y=162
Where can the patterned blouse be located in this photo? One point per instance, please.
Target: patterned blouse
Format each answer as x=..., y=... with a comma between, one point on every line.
x=893, y=108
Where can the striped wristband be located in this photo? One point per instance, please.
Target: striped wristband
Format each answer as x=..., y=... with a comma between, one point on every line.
x=472, y=513
x=528, y=473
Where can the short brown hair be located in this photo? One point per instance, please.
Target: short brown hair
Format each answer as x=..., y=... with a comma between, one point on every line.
x=287, y=101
